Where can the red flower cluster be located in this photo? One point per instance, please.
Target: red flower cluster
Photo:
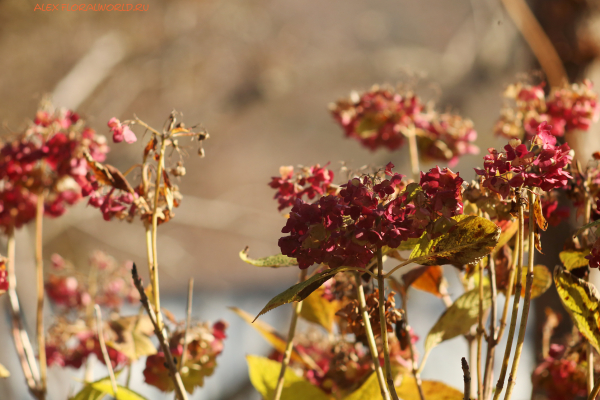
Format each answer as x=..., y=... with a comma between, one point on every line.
x=594, y=256
x=567, y=109
x=347, y=228
x=205, y=343
x=553, y=213
x=111, y=288
x=310, y=182
x=561, y=378
x=3, y=276
x=47, y=158
x=376, y=118
x=518, y=166
x=74, y=356
x=382, y=118
x=446, y=137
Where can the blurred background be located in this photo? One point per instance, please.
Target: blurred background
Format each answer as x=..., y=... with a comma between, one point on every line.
x=259, y=75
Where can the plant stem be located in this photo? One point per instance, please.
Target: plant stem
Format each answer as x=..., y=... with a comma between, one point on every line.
x=589, y=349
x=148, y=228
x=512, y=378
x=20, y=337
x=595, y=391
x=413, y=352
x=289, y=345
x=509, y=292
x=467, y=378
x=362, y=305
x=383, y=322
x=107, y=361
x=516, y=300
x=39, y=266
x=480, y=330
x=155, y=285
x=414, y=153
x=493, y=336
x=188, y=321
x=538, y=41
x=164, y=344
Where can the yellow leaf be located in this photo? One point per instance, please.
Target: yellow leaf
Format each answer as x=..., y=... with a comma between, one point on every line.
x=264, y=374
x=510, y=230
x=134, y=345
x=317, y=309
x=4, y=373
x=582, y=300
x=273, y=337
x=572, y=259
x=368, y=390
x=542, y=279
x=458, y=318
x=469, y=240
x=432, y=390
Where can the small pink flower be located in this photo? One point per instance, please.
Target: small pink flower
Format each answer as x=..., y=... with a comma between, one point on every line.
x=121, y=132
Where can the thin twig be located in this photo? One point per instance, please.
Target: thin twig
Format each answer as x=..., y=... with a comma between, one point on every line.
x=384, y=340
x=516, y=300
x=155, y=285
x=107, y=361
x=20, y=336
x=414, y=153
x=512, y=378
x=164, y=344
x=467, y=378
x=39, y=266
x=480, y=330
x=589, y=347
x=509, y=291
x=188, y=321
x=413, y=352
x=538, y=41
x=493, y=336
x=362, y=305
x=595, y=391
x=287, y=356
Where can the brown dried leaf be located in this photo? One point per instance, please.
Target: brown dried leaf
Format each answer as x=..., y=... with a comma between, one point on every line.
x=503, y=263
x=151, y=146
x=539, y=215
x=427, y=278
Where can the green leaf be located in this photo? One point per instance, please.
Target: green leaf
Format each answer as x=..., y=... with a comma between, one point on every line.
x=469, y=240
x=587, y=226
x=582, y=300
x=432, y=390
x=299, y=291
x=274, y=338
x=264, y=374
x=88, y=393
x=4, y=373
x=276, y=261
x=134, y=345
x=317, y=309
x=458, y=318
x=123, y=393
x=572, y=259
